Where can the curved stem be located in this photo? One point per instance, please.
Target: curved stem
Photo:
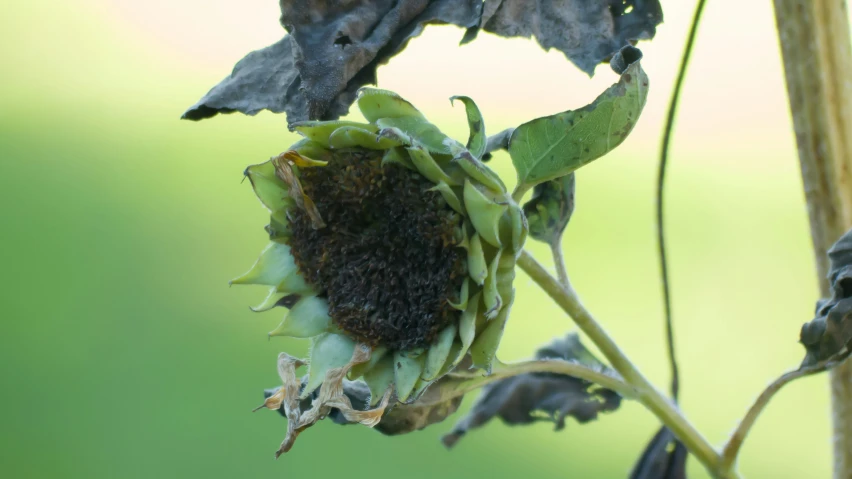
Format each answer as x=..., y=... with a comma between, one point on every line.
x=559, y=261
x=464, y=383
x=661, y=177
x=500, y=141
x=732, y=447
x=519, y=192
x=647, y=394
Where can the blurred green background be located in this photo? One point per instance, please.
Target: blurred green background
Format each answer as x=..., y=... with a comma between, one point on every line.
x=126, y=355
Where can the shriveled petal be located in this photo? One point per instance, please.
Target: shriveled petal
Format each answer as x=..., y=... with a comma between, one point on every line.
x=484, y=213
x=369, y=418
x=438, y=353
x=307, y=318
x=375, y=103
x=360, y=369
x=331, y=395
x=302, y=160
x=329, y=351
x=287, y=172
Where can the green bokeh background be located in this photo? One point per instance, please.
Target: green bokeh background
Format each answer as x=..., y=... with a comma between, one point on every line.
x=126, y=355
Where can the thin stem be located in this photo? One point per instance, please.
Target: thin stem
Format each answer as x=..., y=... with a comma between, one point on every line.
x=464, y=383
x=647, y=394
x=732, y=448
x=519, y=192
x=559, y=261
x=661, y=176
x=500, y=141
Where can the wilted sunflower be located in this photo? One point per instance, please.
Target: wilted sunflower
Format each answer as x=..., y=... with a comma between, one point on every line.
x=388, y=241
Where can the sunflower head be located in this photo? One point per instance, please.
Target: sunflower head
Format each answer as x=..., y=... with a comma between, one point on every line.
x=387, y=237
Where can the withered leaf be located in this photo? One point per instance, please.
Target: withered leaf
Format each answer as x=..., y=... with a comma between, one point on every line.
x=398, y=419
x=663, y=458
x=405, y=418
x=333, y=48
x=830, y=332
x=588, y=32
x=531, y=397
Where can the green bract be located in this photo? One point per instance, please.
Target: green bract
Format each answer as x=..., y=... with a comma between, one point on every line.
x=389, y=237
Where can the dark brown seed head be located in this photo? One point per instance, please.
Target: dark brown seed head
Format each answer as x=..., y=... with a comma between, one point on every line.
x=387, y=260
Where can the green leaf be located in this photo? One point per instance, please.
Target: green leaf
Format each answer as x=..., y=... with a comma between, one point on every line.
x=553, y=146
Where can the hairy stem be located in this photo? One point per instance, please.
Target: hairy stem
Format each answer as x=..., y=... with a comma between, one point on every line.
x=814, y=38
x=646, y=393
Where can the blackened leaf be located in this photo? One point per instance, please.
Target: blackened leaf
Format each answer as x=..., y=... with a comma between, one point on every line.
x=829, y=334
x=333, y=48
x=663, y=458
x=265, y=79
x=531, y=397
x=550, y=208
x=553, y=146
x=586, y=31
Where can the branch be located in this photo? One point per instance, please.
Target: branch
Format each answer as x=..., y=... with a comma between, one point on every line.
x=647, y=394
x=500, y=141
x=465, y=383
x=732, y=448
